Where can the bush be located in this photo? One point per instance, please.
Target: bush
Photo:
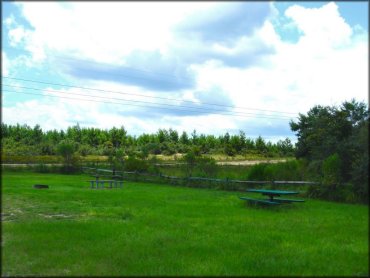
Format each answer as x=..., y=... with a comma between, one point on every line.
x=206, y=167
x=84, y=150
x=360, y=178
x=134, y=164
x=153, y=166
x=331, y=167
x=257, y=172
x=290, y=170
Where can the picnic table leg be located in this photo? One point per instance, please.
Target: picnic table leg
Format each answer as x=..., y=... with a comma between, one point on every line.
x=110, y=184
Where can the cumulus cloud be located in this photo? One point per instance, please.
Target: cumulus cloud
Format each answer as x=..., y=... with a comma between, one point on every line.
x=226, y=53
x=147, y=40
x=215, y=96
x=161, y=75
x=321, y=24
x=4, y=64
x=225, y=23
x=298, y=75
x=73, y=28
x=9, y=21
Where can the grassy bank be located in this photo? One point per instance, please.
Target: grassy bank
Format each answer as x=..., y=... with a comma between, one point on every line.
x=150, y=229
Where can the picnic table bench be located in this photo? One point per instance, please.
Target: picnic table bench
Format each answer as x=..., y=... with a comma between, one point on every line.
x=271, y=194
x=116, y=183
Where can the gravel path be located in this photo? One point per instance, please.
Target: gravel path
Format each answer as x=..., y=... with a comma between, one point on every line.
x=250, y=162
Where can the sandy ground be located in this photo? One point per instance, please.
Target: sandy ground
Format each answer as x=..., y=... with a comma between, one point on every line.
x=29, y=164
x=249, y=162
x=240, y=162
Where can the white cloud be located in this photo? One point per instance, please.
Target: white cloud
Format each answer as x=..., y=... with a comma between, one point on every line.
x=16, y=35
x=298, y=76
x=327, y=65
x=321, y=24
x=4, y=64
x=104, y=32
x=9, y=21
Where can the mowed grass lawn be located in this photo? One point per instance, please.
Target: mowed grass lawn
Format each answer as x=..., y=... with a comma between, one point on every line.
x=153, y=229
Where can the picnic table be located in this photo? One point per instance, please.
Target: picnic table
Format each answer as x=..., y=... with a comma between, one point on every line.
x=271, y=194
x=116, y=183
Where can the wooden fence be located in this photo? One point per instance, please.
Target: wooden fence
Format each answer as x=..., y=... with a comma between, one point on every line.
x=225, y=184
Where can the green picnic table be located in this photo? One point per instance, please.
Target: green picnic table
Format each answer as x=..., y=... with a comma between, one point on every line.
x=116, y=183
x=271, y=194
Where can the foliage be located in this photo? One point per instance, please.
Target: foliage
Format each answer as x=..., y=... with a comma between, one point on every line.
x=291, y=170
x=334, y=141
x=66, y=148
x=196, y=163
x=133, y=163
x=93, y=141
x=116, y=158
x=331, y=168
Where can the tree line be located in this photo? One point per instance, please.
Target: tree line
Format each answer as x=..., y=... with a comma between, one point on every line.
x=25, y=140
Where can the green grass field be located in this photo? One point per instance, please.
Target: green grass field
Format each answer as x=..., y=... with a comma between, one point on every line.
x=153, y=229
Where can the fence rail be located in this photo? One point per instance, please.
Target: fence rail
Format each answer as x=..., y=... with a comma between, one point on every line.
x=188, y=180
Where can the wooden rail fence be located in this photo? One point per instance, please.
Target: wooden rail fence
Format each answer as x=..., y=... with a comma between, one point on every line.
x=227, y=184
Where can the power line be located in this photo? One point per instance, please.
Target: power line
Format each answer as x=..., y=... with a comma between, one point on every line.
x=146, y=96
x=161, y=104
x=146, y=106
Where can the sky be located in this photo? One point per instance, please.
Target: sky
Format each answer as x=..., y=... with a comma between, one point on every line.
x=213, y=67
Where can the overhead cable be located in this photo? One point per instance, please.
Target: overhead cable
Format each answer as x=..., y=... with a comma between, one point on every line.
x=159, y=104
x=147, y=96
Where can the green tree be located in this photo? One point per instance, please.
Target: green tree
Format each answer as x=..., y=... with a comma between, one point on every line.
x=285, y=147
x=184, y=139
x=190, y=158
x=331, y=168
x=174, y=136
x=332, y=132
x=66, y=148
x=261, y=145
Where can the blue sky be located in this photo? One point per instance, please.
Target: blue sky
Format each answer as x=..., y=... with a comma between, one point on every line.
x=211, y=66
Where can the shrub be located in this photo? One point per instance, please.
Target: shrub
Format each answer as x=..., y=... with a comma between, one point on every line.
x=331, y=169
x=134, y=164
x=84, y=150
x=153, y=166
x=257, y=172
x=206, y=166
x=66, y=149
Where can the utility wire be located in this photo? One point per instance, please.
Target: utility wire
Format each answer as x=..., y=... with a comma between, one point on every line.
x=146, y=96
x=146, y=106
x=138, y=101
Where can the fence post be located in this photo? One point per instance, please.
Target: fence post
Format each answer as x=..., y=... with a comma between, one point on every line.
x=97, y=181
x=272, y=184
